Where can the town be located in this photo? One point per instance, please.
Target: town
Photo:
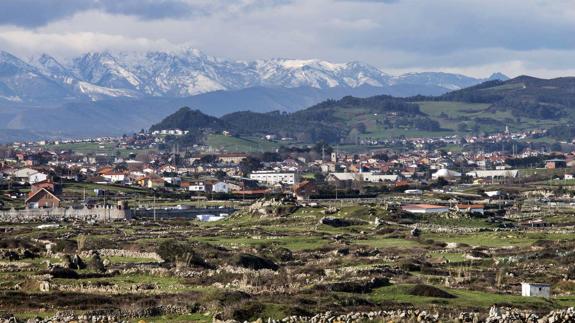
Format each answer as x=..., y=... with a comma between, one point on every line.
x=451, y=225
x=287, y=161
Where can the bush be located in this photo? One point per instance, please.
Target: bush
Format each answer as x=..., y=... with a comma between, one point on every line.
x=247, y=311
x=59, y=272
x=95, y=263
x=14, y=243
x=357, y=286
x=410, y=265
x=283, y=254
x=254, y=262
x=65, y=246
x=225, y=298
x=429, y=291
x=182, y=253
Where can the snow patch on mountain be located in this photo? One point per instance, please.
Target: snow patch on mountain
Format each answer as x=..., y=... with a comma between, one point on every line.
x=186, y=72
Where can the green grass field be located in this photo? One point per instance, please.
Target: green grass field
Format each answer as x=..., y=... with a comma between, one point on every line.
x=235, y=144
x=467, y=299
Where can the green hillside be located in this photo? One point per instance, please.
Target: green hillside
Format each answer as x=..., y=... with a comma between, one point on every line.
x=521, y=103
x=235, y=144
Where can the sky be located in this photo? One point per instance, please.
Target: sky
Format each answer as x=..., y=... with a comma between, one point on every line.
x=472, y=37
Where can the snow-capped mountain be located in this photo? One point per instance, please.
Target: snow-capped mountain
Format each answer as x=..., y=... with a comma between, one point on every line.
x=21, y=82
x=106, y=93
x=75, y=86
x=188, y=72
x=447, y=81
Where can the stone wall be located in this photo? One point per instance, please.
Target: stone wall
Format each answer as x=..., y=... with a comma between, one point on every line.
x=97, y=214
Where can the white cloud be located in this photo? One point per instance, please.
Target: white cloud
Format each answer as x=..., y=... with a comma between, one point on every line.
x=27, y=43
x=472, y=36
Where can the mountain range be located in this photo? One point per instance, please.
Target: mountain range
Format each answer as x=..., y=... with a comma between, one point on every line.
x=188, y=72
x=105, y=93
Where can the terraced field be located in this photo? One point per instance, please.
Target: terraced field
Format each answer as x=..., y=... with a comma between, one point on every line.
x=257, y=264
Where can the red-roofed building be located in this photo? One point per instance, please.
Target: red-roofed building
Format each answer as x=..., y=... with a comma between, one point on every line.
x=42, y=198
x=304, y=190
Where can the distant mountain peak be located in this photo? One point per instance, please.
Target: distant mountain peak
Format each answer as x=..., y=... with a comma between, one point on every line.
x=498, y=76
x=4, y=55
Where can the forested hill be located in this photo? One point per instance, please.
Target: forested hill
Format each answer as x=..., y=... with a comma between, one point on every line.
x=521, y=103
x=330, y=121
x=188, y=119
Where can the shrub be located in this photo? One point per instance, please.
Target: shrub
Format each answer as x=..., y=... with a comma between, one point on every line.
x=254, y=262
x=65, y=246
x=429, y=291
x=59, y=272
x=182, y=253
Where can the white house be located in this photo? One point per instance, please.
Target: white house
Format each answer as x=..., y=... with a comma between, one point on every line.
x=425, y=208
x=535, y=290
x=114, y=177
x=221, y=187
x=344, y=177
x=372, y=177
x=413, y=192
x=379, y=178
x=172, y=180
x=494, y=173
x=37, y=177
x=470, y=208
x=23, y=175
x=199, y=187
x=493, y=193
x=445, y=174
x=273, y=178
x=327, y=167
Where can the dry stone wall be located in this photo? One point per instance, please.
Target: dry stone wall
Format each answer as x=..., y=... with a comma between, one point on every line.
x=96, y=214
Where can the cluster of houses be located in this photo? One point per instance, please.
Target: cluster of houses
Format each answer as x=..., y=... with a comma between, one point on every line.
x=494, y=138
x=298, y=172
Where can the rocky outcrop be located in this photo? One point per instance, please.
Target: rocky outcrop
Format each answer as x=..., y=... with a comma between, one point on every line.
x=129, y=254
x=273, y=207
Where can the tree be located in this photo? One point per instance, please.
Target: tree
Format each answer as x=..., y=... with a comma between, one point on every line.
x=250, y=164
x=441, y=182
x=208, y=159
x=220, y=174
x=270, y=157
x=322, y=146
x=476, y=128
x=556, y=147
x=360, y=126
